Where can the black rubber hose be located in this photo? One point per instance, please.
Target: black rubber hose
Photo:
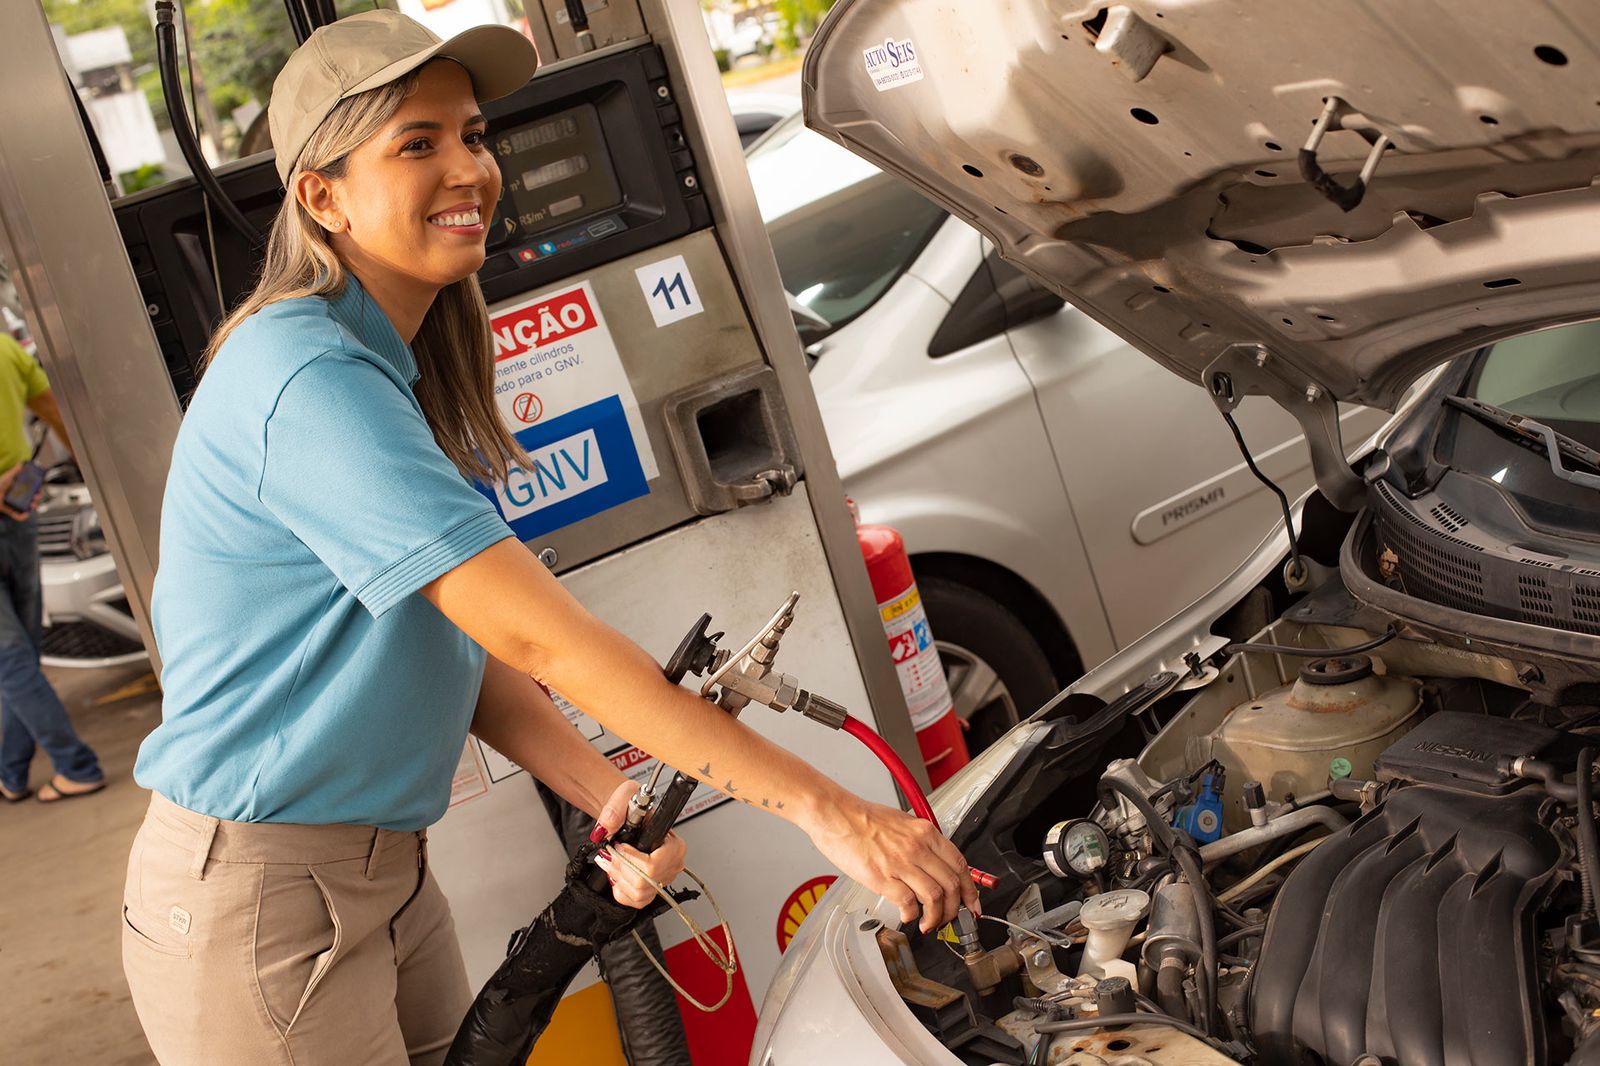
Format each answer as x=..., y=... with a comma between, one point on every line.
x=1206, y=972
x=1313, y=653
x=1545, y=773
x=1078, y=1025
x=1110, y=788
x=1169, y=990
x=516, y=1005
x=172, y=93
x=324, y=12
x=1237, y=935
x=1588, y=844
x=297, y=22
x=648, y=1022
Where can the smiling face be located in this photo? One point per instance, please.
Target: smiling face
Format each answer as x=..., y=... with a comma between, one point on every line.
x=409, y=212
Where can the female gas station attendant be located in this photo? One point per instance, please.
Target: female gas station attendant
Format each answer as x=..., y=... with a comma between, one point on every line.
x=337, y=606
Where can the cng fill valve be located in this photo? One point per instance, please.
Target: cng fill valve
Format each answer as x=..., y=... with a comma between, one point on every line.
x=747, y=676
x=744, y=677
x=755, y=682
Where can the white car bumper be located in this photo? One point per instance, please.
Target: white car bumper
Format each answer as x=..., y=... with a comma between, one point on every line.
x=85, y=613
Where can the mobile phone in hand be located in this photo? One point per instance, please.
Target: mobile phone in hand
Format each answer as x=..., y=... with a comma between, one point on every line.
x=25, y=487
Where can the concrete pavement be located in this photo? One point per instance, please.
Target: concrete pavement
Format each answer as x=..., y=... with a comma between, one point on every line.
x=62, y=995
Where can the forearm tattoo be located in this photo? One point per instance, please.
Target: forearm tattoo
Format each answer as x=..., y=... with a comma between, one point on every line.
x=729, y=789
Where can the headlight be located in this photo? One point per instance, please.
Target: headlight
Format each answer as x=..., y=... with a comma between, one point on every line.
x=88, y=539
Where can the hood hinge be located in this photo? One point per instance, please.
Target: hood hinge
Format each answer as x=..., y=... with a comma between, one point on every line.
x=1246, y=369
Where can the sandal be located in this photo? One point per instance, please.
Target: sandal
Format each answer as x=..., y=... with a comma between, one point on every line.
x=14, y=797
x=55, y=793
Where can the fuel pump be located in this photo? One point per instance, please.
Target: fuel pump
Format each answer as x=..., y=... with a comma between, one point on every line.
x=647, y=362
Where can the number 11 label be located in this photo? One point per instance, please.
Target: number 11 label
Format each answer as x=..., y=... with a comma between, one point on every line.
x=669, y=290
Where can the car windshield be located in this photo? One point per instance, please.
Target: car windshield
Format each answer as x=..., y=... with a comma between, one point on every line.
x=1552, y=377
x=842, y=230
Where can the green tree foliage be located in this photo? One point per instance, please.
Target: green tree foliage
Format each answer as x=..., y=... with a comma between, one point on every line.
x=80, y=16
x=146, y=176
x=798, y=20
x=239, y=45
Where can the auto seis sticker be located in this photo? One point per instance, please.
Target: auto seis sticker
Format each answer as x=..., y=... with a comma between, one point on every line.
x=892, y=64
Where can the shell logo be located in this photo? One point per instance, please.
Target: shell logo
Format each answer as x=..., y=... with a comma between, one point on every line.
x=799, y=904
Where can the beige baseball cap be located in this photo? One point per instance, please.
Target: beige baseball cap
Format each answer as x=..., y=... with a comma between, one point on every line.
x=373, y=48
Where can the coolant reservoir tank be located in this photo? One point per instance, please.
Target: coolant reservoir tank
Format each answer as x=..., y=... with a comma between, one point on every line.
x=1337, y=709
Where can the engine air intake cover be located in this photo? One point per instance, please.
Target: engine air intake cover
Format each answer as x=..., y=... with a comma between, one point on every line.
x=1472, y=751
x=1408, y=936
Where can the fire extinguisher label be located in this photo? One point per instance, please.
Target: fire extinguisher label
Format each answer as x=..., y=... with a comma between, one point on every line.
x=915, y=658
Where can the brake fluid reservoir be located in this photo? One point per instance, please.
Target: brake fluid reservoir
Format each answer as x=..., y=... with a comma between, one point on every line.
x=1337, y=708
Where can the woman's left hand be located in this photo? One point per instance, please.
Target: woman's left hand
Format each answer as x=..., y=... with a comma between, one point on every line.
x=664, y=864
x=628, y=884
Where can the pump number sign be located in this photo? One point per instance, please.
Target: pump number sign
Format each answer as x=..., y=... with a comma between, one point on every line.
x=560, y=387
x=670, y=291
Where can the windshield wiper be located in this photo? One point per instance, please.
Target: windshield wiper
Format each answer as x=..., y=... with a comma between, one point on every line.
x=804, y=317
x=1556, y=445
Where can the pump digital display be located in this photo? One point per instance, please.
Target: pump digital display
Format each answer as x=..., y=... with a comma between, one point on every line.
x=530, y=137
x=560, y=170
x=556, y=169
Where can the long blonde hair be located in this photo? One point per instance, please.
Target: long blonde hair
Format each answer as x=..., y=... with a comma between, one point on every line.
x=454, y=347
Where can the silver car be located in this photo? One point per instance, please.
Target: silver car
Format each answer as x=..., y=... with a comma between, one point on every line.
x=1339, y=810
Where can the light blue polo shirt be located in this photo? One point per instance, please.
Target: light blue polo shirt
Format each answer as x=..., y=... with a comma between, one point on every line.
x=306, y=679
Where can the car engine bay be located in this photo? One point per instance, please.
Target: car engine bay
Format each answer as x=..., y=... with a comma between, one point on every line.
x=1336, y=851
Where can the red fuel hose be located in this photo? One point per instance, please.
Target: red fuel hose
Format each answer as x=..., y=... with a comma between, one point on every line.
x=908, y=784
x=895, y=765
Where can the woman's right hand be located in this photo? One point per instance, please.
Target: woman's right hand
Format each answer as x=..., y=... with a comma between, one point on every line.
x=902, y=858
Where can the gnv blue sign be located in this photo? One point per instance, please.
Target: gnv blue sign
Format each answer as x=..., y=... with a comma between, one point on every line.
x=580, y=463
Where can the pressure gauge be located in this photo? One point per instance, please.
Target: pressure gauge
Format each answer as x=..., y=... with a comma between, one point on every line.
x=1078, y=848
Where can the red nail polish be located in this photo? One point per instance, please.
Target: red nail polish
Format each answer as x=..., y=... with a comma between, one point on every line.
x=597, y=834
x=604, y=854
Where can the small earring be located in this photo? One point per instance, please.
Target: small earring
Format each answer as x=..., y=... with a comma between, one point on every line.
x=336, y=225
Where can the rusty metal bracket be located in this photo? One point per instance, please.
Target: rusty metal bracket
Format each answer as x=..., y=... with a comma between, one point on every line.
x=946, y=1010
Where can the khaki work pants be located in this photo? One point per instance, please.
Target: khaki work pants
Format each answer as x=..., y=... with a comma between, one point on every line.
x=266, y=944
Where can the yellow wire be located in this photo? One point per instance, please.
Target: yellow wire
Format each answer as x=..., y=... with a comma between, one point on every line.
x=727, y=962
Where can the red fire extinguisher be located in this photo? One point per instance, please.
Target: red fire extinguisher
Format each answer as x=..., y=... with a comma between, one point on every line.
x=916, y=659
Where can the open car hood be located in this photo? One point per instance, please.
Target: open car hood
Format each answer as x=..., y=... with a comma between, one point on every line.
x=1148, y=162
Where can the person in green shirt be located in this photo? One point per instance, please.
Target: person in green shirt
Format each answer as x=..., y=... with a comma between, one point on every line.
x=31, y=715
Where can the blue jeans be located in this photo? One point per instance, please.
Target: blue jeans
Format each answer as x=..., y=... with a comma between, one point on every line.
x=31, y=714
